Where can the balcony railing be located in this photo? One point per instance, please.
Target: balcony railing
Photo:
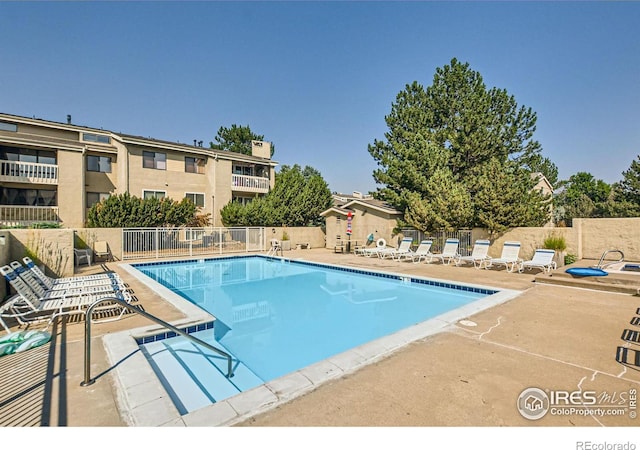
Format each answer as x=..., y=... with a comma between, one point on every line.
x=26, y=172
x=247, y=183
x=26, y=215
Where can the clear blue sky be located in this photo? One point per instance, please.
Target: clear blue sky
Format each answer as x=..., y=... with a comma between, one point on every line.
x=318, y=78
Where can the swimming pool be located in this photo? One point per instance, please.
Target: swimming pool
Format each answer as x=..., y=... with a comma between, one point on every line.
x=281, y=319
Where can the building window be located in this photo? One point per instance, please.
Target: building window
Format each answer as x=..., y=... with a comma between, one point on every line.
x=27, y=197
x=27, y=155
x=241, y=200
x=242, y=170
x=197, y=199
x=99, y=163
x=153, y=194
x=193, y=165
x=154, y=160
x=96, y=197
x=99, y=138
x=5, y=126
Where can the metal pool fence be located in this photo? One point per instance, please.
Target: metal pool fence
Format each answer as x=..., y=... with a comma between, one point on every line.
x=439, y=238
x=141, y=243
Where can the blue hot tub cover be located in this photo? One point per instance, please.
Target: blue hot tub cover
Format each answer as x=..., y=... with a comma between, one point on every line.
x=586, y=272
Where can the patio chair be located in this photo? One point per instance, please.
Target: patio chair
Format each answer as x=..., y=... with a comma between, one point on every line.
x=509, y=257
x=423, y=251
x=395, y=253
x=56, y=290
x=17, y=309
x=32, y=292
x=542, y=259
x=101, y=249
x=67, y=282
x=51, y=304
x=370, y=251
x=478, y=256
x=449, y=252
x=82, y=255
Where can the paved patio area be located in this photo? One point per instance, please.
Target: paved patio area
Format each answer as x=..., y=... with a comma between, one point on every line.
x=555, y=338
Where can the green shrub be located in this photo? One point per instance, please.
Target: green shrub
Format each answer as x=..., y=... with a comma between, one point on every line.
x=42, y=225
x=555, y=242
x=570, y=259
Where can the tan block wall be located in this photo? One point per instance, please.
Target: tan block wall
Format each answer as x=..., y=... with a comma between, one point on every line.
x=53, y=247
x=314, y=236
x=86, y=237
x=530, y=238
x=71, y=189
x=600, y=235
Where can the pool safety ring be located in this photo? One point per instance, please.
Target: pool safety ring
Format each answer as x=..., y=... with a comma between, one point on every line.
x=381, y=243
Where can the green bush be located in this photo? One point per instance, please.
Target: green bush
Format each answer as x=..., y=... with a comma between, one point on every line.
x=570, y=259
x=555, y=242
x=125, y=211
x=42, y=225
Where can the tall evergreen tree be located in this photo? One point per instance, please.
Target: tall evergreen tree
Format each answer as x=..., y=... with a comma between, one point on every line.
x=459, y=125
x=446, y=206
x=629, y=187
x=505, y=198
x=237, y=139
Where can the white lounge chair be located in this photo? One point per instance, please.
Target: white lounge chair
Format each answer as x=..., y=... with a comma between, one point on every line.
x=449, y=252
x=52, y=289
x=395, y=253
x=67, y=282
x=542, y=259
x=423, y=251
x=53, y=303
x=509, y=257
x=381, y=244
x=478, y=255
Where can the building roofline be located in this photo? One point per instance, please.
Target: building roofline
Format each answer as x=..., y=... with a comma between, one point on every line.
x=140, y=140
x=389, y=210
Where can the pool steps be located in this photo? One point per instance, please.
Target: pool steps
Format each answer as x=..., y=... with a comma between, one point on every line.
x=178, y=363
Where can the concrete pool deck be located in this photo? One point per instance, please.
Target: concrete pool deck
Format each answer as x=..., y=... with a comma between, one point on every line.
x=552, y=337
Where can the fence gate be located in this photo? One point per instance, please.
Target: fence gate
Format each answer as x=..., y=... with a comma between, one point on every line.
x=439, y=237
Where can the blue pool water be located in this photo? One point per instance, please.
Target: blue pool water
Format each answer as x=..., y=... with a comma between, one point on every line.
x=278, y=316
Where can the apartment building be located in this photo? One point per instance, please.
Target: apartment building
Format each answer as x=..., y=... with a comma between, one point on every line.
x=55, y=172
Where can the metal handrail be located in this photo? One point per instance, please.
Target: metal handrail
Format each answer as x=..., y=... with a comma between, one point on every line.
x=87, y=336
x=602, y=266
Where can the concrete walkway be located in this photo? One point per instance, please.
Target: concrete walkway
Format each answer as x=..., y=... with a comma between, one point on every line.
x=555, y=338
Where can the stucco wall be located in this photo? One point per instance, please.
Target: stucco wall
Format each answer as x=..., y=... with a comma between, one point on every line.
x=86, y=237
x=71, y=188
x=599, y=235
x=364, y=222
x=53, y=247
x=314, y=236
x=588, y=238
x=530, y=239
